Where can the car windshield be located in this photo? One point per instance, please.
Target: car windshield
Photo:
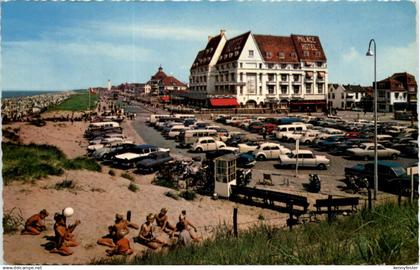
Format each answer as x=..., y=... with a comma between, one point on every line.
x=399, y=171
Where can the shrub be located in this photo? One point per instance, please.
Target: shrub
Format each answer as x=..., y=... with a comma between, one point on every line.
x=65, y=184
x=133, y=187
x=12, y=221
x=172, y=195
x=127, y=176
x=111, y=172
x=82, y=163
x=189, y=195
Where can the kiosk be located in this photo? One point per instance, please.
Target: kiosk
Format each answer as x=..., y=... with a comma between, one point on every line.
x=224, y=174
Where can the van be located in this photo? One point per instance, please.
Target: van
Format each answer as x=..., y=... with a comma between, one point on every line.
x=235, y=119
x=101, y=125
x=155, y=118
x=283, y=129
x=191, y=136
x=184, y=116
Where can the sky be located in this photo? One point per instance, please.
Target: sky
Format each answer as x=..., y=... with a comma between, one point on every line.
x=73, y=45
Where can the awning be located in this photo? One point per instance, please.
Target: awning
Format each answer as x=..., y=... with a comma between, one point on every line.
x=309, y=74
x=321, y=74
x=223, y=102
x=165, y=98
x=308, y=102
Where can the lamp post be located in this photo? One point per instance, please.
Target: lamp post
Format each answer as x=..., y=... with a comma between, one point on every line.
x=375, y=116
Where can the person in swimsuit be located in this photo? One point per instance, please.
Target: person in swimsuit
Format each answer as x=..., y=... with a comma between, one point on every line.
x=35, y=224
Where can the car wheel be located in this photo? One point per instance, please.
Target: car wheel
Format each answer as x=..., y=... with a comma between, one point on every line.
x=261, y=157
x=394, y=156
x=322, y=166
x=199, y=150
x=307, y=142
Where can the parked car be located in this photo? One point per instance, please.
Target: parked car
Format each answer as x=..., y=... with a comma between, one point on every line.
x=270, y=151
x=244, y=160
x=249, y=146
x=236, y=139
x=207, y=144
x=304, y=158
x=366, y=151
x=391, y=175
x=329, y=142
x=126, y=160
x=153, y=161
x=412, y=149
x=309, y=137
x=255, y=127
x=342, y=147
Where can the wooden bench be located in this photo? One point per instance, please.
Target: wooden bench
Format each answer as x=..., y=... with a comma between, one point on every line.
x=294, y=205
x=334, y=206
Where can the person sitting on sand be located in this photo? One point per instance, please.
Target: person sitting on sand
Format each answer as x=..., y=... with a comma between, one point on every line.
x=146, y=236
x=121, y=226
x=184, y=237
x=163, y=223
x=63, y=237
x=122, y=246
x=35, y=224
x=183, y=219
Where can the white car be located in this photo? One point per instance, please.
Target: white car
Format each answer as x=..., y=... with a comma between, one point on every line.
x=328, y=132
x=270, y=151
x=293, y=136
x=207, y=144
x=249, y=146
x=367, y=150
x=309, y=137
x=304, y=158
x=96, y=147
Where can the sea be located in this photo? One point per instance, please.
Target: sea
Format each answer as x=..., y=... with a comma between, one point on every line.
x=25, y=93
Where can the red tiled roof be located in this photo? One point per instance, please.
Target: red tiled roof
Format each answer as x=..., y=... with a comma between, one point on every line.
x=233, y=48
x=169, y=80
x=223, y=102
x=308, y=48
x=391, y=84
x=159, y=75
x=277, y=49
x=204, y=56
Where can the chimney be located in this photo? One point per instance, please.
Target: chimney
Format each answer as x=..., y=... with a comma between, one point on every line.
x=222, y=32
x=209, y=37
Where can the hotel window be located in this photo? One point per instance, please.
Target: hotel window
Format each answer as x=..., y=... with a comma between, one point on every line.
x=241, y=90
x=268, y=55
x=281, y=55
x=293, y=55
x=283, y=77
x=232, y=76
x=251, y=53
x=261, y=66
x=320, y=88
x=271, y=90
x=320, y=64
x=283, y=66
x=270, y=65
x=295, y=78
x=284, y=89
x=240, y=64
x=260, y=75
x=241, y=77
x=260, y=90
x=271, y=77
x=308, y=87
x=306, y=53
x=296, y=89
x=317, y=53
x=296, y=66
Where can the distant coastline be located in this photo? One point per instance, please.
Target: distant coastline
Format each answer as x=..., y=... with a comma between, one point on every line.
x=27, y=93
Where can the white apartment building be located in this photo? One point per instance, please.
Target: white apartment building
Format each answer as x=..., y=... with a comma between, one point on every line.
x=262, y=71
x=345, y=97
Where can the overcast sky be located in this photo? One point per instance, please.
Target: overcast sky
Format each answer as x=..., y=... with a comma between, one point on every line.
x=68, y=45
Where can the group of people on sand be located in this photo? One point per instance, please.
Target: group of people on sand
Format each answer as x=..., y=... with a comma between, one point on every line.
x=63, y=238
x=120, y=245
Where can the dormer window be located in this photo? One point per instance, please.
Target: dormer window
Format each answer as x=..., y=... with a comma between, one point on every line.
x=268, y=54
x=236, y=53
x=281, y=55
x=293, y=55
x=306, y=53
x=317, y=53
x=250, y=53
x=230, y=54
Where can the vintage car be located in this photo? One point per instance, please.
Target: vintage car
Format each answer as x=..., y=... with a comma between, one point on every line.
x=304, y=158
x=270, y=151
x=207, y=144
x=153, y=161
x=366, y=151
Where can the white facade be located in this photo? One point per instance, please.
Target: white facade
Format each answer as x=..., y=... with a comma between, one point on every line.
x=336, y=96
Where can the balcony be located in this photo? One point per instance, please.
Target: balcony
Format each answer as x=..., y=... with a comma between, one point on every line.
x=297, y=95
x=297, y=82
x=271, y=82
x=318, y=79
x=284, y=82
x=309, y=79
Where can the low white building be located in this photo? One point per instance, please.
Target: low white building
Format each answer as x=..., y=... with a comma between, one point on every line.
x=253, y=70
x=345, y=97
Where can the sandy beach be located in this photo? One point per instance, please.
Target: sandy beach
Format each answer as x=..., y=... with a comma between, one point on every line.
x=98, y=197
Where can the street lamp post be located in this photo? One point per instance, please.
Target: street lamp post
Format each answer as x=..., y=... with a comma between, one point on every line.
x=375, y=116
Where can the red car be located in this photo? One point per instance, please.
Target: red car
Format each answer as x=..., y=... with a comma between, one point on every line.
x=269, y=128
x=352, y=135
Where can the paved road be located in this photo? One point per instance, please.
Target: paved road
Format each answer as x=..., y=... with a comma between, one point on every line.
x=334, y=173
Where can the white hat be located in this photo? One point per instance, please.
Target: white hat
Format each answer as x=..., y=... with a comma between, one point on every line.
x=68, y=211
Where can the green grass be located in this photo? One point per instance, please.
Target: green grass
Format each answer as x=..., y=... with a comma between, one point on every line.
x=12, y=220
x=189, y=195
x=128, y=176
x=35, y=161
x=76, y=102
x=386, y=235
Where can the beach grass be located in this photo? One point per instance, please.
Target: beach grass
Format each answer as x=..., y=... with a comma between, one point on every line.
x=35, y=161
x=76, y=102
x=387, y=234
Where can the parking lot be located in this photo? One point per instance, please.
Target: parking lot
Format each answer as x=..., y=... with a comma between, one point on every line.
x=331, y=178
